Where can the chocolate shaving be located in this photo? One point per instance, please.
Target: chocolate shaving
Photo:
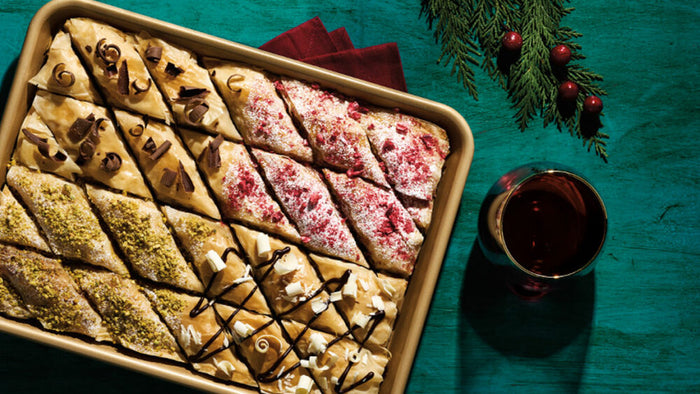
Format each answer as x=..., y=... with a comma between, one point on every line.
x=87, y=150
x=185, y=181
x=80, y=128
x=123, y=79
x=190, y=92
x=160, y=151
x=138, y=88
x=212, y=152
x=197, y=113
x=61, y=76
x=88, y=48
x=154, y=53
x=168, y=178
x=111, y=70
x=112, y=162
x=137, y=130
x=173, y=70
x=110, y=53
x=149, y=146
x=234, y=78
x=43, y=146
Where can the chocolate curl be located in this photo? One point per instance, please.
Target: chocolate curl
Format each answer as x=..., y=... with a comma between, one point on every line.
x=123, y=79
x=160, y=151
x=185, y=181
x=154, y=54
x=43, y=146
x=168, y=178
x=149, y=146
x=80, y=128
x=112, y=162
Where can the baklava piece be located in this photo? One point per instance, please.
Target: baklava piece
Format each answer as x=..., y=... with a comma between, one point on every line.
x=369, y=301
x=186, y=86
x=413, y=151
x=89, y=137
x=50, y=293
x=138, y=227
x=306, y=199
x=201, y=334
x=236, y=184
x=63, y=73
x=117, y=67
x=166, y=164
x=257, y=109
x=11, y=303
x=37, y=148
x=16, y=227
x=64, y=214
x=381, y=222
x=338, y=140
x=127, y=313
x=272, y=359
x=289, y=282
x=214, y=253
x=339, y=364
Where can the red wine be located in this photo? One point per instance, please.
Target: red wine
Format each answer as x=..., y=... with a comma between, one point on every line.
x=553, y=224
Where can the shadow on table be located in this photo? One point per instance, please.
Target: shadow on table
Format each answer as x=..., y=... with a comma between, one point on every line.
x=534, y=341
x=7, y=84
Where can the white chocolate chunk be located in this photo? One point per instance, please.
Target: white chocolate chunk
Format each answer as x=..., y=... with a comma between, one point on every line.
x=354, y=357
x=225, y=366
x=336, y=296
x=360, y=319
x=350, y=288
x=294, y=289
x=243, y=330
x=377, y=302
x=286, y=264
x=387, y=287
x=215, y=261
x=318, y=305
x=364, y=284
x=317, y=343
x=304, y=386
x=262, y=244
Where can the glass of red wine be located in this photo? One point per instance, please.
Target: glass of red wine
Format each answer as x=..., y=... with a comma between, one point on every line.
x=542, y=224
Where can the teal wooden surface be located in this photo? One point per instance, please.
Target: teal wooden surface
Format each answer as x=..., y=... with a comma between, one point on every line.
x=630, y=327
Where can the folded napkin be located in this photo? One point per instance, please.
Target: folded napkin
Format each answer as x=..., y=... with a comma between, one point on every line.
x=311, y=43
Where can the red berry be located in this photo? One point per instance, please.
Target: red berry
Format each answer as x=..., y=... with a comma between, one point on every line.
x=593, y=105
x=568, y=91
x=560, y=55
x=512, y=41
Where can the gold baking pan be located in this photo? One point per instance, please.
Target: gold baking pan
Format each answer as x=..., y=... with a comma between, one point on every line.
x=409, y=326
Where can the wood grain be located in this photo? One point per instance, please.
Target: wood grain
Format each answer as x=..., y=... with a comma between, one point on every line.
x=632, y=326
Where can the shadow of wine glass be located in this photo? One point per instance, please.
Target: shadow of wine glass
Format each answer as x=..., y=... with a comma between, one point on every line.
x=526, y=341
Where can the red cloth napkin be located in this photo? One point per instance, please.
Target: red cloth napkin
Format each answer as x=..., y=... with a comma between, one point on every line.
x=311, y=43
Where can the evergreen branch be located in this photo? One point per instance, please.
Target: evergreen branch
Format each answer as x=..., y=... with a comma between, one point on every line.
x=463, y=27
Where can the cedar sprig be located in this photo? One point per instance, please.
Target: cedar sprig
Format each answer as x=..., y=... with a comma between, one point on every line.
x=469, y=29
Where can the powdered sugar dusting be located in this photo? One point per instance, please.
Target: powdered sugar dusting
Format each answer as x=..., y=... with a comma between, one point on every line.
x=334, y=131
x=245, y=194
x=307, y=201
x=269, y=125
x=384, y=225
x=413, y=151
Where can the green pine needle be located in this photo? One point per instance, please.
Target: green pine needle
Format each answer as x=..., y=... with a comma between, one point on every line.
x=469, y=29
